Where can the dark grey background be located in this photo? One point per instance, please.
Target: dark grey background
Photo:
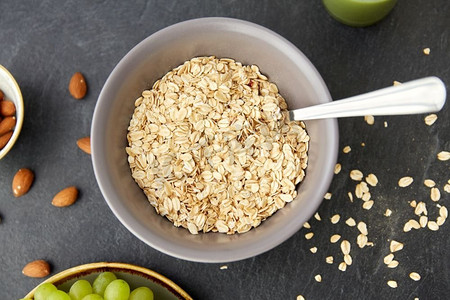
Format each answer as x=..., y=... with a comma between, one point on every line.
x=44, y=42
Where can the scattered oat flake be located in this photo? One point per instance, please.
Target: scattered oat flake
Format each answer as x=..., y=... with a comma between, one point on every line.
x=309, y=235
x=350, y=222
x=407, y=227
x=369, y=119
x=350, y=196
x=393, y=264
x=414, y=276
x=443, y=212
x=388, y=258
x=396, y=82
x=395, y=246
x=447, y=187
x=329, y=259
x=348, y=259
x=346, y=149
x=366, y=196
x=432, y=225
x=356, y=175
x=313, y=250
x=335, y=238
x=318, y=278
x=440, y=220
x=392, y=283
x=414, y=224
x=358, y=191
x=300, y=297
x=306, y=225
x=342, y=266
x=372, y=179
x=430, y=119
x=362, y=227
x=423, y=221
x=317, y=216
x=435, y=194
x=224, y=267
x=361, y=240
x=368, y=205
x=413, y=203
x=429, y=183
x=335, y=218
x=388, y=212
x=443, y=155
x=426, y=51
x=327, y=196
x=405, y=181
x=421, y=208
x=385, y=124
x=345, y=247
x=337, y=168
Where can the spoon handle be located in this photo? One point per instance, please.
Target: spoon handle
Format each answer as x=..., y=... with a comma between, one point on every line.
x=413, y=97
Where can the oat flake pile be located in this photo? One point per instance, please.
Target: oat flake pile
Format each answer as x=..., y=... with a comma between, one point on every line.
x=212, y=149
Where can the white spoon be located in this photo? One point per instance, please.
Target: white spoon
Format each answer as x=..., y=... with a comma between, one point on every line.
x=413, y=97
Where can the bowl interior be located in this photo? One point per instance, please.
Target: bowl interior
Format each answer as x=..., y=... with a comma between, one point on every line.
x=299, y=83
x=136, y=276
x=12, y=92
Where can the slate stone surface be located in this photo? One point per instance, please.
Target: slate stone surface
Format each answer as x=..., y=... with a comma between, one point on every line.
x=44, y=42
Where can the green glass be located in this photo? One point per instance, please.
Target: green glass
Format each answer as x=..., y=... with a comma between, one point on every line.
x=359, y=13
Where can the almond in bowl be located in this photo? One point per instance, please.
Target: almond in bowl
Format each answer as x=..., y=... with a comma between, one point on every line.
x=11, y=111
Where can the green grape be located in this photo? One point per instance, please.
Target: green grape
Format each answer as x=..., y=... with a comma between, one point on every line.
x=58, y=295
x=142, y=293
x=102, y=281
x=117, y=290
x=92, y=297
x=43, y=291
x=80, y=289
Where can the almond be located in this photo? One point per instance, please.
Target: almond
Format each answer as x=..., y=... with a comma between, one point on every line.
x=1, y=95
x=36, y=269
x=85, y=144
x=7, y=108
x=77, y=86
x=7, y=124
x=66, y=197
x=22, y=182
x=4, y=139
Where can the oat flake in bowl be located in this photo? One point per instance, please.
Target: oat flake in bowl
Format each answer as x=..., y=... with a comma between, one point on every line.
x=212, y=148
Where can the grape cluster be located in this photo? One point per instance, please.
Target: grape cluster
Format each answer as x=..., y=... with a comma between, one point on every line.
x=105, y=287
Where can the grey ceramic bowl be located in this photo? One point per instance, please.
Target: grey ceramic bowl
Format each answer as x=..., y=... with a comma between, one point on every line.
x=299, y=83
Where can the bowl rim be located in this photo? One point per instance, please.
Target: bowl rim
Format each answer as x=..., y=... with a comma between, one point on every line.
x=112, y=266
x=132, y=225
x=19, y=114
